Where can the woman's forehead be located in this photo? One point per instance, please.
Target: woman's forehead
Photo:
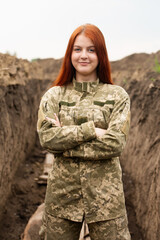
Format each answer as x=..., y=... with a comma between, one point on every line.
x=81, y=39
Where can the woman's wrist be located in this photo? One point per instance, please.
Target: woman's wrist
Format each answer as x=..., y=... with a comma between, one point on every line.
x=100, y=132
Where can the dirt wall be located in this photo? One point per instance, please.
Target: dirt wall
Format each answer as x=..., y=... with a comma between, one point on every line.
x=141, y=159
x=21, y=86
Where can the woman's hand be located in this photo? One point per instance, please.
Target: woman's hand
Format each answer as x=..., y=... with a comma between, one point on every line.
x=54, y=121
x=100, y=132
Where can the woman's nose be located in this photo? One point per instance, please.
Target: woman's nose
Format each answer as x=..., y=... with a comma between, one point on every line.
x=84, y=54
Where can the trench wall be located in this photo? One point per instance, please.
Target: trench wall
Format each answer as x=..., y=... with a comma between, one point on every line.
x=22, y=84
x=141, y=157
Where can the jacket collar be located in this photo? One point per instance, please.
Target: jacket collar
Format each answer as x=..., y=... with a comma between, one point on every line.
x=85, y=86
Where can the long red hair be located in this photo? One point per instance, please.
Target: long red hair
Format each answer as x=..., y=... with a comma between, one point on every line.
x=67, y=70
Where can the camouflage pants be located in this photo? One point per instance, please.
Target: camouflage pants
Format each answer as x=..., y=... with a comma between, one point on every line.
x=63, y=229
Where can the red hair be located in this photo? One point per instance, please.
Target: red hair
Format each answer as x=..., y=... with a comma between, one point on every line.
x=67, y=70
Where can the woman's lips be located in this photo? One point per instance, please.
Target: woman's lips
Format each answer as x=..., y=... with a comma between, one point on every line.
x=84, y=63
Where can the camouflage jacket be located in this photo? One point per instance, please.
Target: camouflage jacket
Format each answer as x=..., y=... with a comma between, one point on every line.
x=86, y=174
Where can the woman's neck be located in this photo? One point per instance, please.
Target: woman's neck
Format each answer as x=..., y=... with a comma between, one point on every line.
x=86, y=78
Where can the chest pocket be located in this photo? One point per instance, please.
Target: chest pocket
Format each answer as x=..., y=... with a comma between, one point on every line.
x=66, y=113
x=99, y=112
x=102, y=112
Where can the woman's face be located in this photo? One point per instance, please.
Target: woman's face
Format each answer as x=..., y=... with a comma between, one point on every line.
x=84, y=57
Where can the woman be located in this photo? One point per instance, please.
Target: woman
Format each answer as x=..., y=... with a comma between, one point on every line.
x=84, y=120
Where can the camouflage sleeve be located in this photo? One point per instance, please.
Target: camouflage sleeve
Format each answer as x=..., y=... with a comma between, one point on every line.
x=59, y=139
x=112, y=143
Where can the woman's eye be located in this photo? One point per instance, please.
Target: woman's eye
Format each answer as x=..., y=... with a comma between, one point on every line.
x=91, y=50
x=77, y=49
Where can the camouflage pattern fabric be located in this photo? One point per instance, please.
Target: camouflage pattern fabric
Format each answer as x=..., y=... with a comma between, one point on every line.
x=115, y=229
x=58, y=228
x=86, y=177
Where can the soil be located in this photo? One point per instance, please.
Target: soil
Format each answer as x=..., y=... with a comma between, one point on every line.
x=139, y=74
x=22, y=84
x=27, y=195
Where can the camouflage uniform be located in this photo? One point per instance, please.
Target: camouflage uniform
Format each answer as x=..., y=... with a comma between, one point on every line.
x=86, y=174
x=59, y=228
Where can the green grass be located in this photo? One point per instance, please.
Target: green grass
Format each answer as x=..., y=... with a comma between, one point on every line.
x=157, y=66
x=153, y=79
x=124, y=81
x=34, y=59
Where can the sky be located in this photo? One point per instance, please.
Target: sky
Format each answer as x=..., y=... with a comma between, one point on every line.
x=41, y=28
